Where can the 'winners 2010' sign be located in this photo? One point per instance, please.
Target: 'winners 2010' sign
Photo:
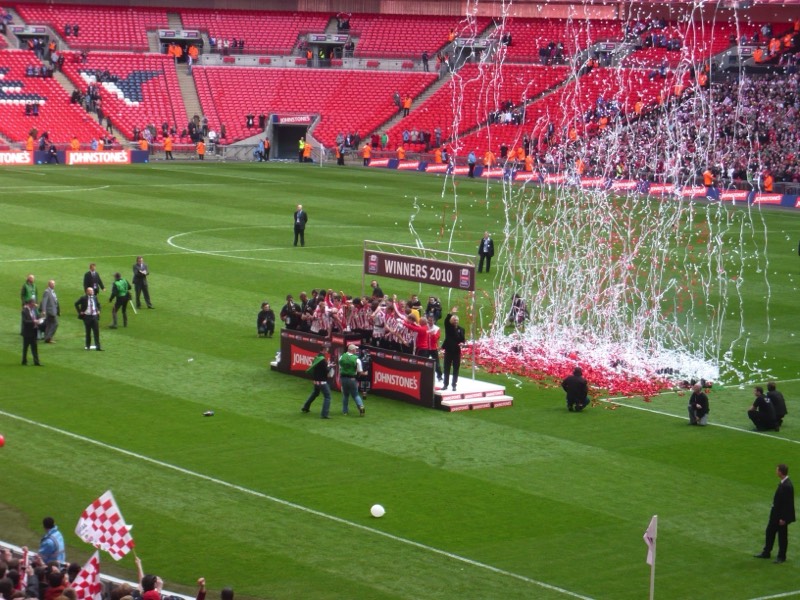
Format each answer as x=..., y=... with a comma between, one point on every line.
x=421, y=270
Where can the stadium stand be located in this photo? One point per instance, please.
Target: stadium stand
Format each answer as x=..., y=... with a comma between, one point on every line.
x=100, y=27
x=57, y=116
x=529, y=36
x=569, y=105
x=138, y=89
x=484, y=89
x=697, y=42
x=347, y=101
x=407, y=36
x=262, y=32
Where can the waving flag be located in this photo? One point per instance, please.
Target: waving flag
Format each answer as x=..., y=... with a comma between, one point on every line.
x=102, y=526
x=87, y=583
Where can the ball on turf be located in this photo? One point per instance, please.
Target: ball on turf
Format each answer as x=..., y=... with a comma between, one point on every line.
x=2, y=440
x=377, y=511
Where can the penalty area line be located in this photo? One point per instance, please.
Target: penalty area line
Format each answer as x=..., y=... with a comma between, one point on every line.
x=293, y=505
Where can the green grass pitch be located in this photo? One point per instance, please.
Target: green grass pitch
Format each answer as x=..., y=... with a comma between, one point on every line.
x=523, y=502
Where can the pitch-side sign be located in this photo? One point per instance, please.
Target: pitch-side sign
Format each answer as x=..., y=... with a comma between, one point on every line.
x=15, y=159
x=106, y=157
x=421, y=270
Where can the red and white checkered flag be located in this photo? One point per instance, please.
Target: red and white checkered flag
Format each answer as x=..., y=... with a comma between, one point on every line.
x=87, y=584
x=102, y=526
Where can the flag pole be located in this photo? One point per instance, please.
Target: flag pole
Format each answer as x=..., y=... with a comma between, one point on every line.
x=653, y=573
x=650, y=537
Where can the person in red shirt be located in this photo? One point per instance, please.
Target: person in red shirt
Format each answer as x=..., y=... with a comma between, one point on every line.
x=422, y=343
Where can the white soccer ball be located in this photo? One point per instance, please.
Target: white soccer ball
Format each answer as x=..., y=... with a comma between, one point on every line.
x=377, y=511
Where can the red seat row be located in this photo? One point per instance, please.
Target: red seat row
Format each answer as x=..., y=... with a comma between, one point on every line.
x=154, y=74
x=347, y=101
x=100, y=26
x=57, y=116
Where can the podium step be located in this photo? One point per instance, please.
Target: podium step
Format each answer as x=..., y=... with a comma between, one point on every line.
x=459, y=404
x=472, y=395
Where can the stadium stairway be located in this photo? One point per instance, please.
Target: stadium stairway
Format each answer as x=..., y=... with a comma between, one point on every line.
x=153, y=43
x=174, y=20
x=418, y=103
x=191, y=100
x=11, y=40
x=64, y=81
x=332, y=26
x=188, y=90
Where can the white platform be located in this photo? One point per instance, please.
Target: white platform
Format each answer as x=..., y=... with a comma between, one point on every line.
x=472, y=394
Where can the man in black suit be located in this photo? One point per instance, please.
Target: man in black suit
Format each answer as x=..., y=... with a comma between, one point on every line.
x=781, y=514
x=300, y=220
x=92, y=279
x=140, y=273
x=30, y=331
x=486, y=252
x=577, y=390
x=778, y=402
x=454, y=337
x=89, y=311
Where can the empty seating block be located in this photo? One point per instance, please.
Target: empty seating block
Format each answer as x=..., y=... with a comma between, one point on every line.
x=143, y=88
x=262, y=31
x=407, y=36
x=230, y=93
x=57, y=116
x=102, y=27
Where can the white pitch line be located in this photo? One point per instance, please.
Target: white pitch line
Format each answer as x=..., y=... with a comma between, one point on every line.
x=754, y=383
x=783, y=595
x=710, y=424
x=231, y=253
x=289, y=504
x=52, y=190
x=217, y=174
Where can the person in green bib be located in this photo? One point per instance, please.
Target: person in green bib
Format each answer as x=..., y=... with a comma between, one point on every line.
x=349, y=367
x=121, y=290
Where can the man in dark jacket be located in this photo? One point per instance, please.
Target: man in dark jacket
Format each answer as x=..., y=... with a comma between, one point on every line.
x=300, y=220
x=486, y=252
x=319, y=372
x=781, y=514
x=762, y=412
x=93, y=280
x=698, y=406
x=30, y=331
x=454, y=337
x=291, y=314
x=778, y=402
x=577, y=390
x=89, y=312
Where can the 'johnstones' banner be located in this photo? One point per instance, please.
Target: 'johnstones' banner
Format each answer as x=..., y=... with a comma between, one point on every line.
x=15, y=159
x=402, y=376
x=106, y=157
x=395, y=375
